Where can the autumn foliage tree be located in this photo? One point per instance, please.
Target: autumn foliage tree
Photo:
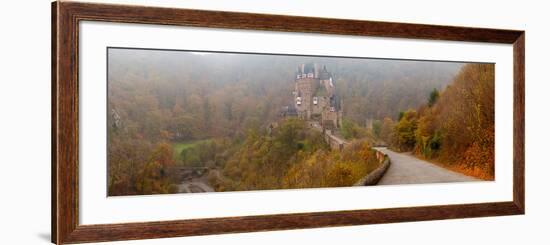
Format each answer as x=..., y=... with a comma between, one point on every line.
x=466, y=117
x=456, y=126
x=404, y=136
x=294, y=156
x=333, y=168
x=137, y=167
x=154, y=177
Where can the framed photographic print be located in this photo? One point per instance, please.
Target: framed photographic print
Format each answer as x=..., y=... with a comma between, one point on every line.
x=174, y=122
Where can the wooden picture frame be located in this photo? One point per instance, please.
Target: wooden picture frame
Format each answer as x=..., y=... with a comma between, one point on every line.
x=65, y=121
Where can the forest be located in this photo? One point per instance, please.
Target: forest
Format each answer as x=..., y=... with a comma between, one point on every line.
x=170, y=110
x=454, y=127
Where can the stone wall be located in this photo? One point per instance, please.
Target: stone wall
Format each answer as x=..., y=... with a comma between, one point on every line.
x=330, y=116
x=373, y=177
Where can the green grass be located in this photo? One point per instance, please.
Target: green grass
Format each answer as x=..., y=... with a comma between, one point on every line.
x=180, y=146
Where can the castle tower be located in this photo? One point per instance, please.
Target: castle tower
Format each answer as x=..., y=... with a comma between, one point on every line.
x=306, y=84
x=314, y=96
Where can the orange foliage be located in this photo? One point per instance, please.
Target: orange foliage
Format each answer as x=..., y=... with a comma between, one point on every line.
x=456, y=127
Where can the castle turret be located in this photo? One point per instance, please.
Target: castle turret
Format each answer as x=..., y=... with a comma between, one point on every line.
x=305, y=87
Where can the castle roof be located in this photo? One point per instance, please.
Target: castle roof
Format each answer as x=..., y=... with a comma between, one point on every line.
x=324, y=74
x=309, y=68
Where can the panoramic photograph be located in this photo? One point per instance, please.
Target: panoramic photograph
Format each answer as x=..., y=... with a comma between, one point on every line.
x=201, y=121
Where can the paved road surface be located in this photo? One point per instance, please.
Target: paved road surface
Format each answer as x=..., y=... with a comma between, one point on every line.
x=407, y=169
x=194, y=186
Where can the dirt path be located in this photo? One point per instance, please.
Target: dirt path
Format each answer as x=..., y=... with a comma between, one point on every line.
x=407, y=169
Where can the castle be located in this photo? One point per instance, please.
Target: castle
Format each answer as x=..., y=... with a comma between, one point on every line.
x=315, y=98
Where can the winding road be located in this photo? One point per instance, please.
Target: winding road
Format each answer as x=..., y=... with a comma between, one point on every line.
x=407, y=169
x=194, y=187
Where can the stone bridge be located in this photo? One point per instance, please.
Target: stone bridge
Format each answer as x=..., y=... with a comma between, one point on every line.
x=335, y=142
